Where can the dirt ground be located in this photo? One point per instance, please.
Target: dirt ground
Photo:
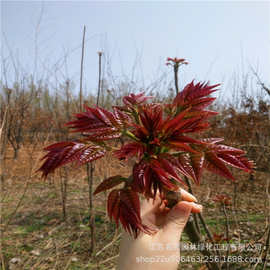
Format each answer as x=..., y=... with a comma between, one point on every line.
x=37, y=236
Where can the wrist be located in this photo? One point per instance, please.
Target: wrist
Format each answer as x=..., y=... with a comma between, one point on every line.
x=147, y=253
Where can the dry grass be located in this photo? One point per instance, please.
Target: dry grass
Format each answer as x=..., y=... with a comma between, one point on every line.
x=39, y=237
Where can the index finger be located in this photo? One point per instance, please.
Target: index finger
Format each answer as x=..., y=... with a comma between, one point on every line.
x=186, y=196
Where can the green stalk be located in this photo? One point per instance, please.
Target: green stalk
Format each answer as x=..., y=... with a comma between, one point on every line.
x=130, y=135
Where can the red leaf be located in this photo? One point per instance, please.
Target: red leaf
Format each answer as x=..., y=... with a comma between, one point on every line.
x=89, y=153
x=113, y=205
x=230, y=155
x=183, y=139
x=186, y=167
x=128, y=150
x=237, y=162
x=193, y=93
x=212, y=140
x=216, y=165
x=171, y=166
x=150, y=177
x=177, y=61
x=97, y=121
x=151, y=117
x=107, y=117
x=139, y=171
x=182, y=146
x=124, y=205
x=188, y=125
x=131, y=223
x=197, y=163
x=218, y=237
x=223, y=198
x=163, y=176
x=66, y=152
x=200, y=104
x=140, y=132
x=103, y=136
x=248, y=163
x=121, y=117
x=203, y=114
x=109, y=183
x=173, y=124
x=224, y=149
x=131, y=199
x=133, y=100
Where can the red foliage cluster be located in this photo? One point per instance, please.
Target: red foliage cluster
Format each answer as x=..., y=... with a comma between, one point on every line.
x=220, y=238
x=176, y=61
x=159, y=138
x=223, y=198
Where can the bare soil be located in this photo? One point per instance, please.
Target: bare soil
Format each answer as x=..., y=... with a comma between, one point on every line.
x=37, y=236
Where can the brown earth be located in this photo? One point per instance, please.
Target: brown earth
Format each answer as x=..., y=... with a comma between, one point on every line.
x=36, y=233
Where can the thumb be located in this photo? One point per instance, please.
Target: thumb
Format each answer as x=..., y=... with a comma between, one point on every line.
x=177, y=218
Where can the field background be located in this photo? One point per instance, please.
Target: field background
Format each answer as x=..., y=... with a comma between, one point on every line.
x=46, y=224
x=58, y=55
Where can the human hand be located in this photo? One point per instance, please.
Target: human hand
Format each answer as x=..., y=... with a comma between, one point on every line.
x=161, y=250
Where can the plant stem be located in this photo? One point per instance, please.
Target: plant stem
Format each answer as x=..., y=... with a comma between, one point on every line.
x=194, y=215
x=63, y=188
x=227, y=234
x=89, y=168
x=195, y=238
x=267, y=242
x=90, y=172
x=192, y=228
x=81, y=73
x=175, y=69
x=99, y=76
x=130, y=135
x=90, y=178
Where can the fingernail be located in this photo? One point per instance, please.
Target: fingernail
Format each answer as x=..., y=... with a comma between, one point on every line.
x=186, y=196
x=193, y=198
x=196, y=208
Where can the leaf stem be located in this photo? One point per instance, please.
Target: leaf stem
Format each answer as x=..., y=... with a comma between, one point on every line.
x=175, y=69
x=130, y=135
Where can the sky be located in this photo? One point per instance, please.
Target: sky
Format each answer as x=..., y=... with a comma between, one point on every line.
x=219, y=39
